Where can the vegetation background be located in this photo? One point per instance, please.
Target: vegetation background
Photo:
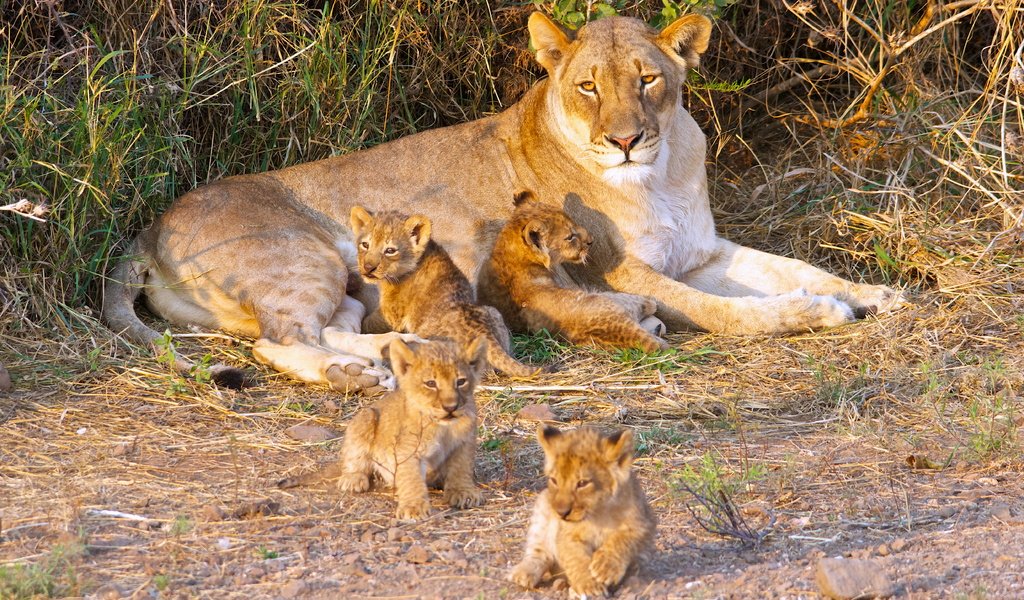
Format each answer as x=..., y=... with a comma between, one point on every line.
x=881, y=139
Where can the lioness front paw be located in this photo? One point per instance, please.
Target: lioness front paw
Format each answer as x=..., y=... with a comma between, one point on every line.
x=413, y=511
x=607, y=569
x=354, y=482
x=873, y=299
x=463, y=497
x=357, y=375
x=654, y=326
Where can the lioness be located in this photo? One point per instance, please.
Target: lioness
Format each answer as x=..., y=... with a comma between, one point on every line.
x=605, y=134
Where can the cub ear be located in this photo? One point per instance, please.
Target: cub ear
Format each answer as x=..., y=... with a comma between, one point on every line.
x=476, y=353
x=360, y=219
x=524, y=197
x=418, y=228
x=547, y=436
x=533, y=237
x=549, y=41
x=618, y=448
x=401, y=357
x=685, y=39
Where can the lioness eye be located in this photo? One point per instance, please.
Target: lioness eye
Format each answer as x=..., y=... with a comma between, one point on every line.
x=390, y=251
x=648, y=79
x=461, y=382
x=588, y=87
x=365, y=245
x=582, y=483
x=430, y=383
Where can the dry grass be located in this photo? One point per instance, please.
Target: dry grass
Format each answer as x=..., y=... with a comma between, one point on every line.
x=881, y=158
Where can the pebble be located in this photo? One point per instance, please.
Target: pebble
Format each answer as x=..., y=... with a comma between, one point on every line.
x=394, y=534
x=109, y=592
x=5, y=380
x=846, y=579
x=417, y=554
x=883, y=550
x=212, y=512
x=898, y=544
x=1000, y=512
x=537, y=412
x=311, y=433
x=293, y=589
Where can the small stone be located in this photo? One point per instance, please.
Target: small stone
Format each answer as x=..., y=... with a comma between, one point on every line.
x=394, y=534
x=109, y=592
x=311, y=433
x=5, y=380
x=367, y=536
x=293, y=589
x=947, y=511
x=537, y=412
x=417, y=554
x=212, y=512
x=848, y=579
x=883, y=550
x=898, y=544
x=1000, y=512
x=332, y=405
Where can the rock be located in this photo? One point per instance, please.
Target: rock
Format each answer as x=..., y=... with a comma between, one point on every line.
x=212, y=512
x=5, y=380
x=1000, y=512
x=898, y=544
x=883, y=550
x=537, y=412
x=109, y=592
x=417, y=554
x=293, y=589
x=849, y=579
x=394, y=534
x=311, y=433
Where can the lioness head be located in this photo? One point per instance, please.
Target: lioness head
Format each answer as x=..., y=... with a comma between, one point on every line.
x=438, y=377
x=615, y=87
x=389, y=244
x=585, y=468
x=547, y=233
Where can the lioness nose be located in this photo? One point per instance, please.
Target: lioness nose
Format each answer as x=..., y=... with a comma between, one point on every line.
x=626, y=143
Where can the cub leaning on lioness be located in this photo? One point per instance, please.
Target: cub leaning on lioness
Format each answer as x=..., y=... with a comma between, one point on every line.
x=421, y=290
x=423, y=433
x=523, y=279
x=593, y=520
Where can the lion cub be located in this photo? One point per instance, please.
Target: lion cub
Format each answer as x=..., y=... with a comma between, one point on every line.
x=423, y=433
x=593, y=519
x=520, y=280
x=421, y=289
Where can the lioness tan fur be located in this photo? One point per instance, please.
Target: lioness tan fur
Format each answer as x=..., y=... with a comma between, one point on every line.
x=604, y=136
x=521, y=280
x=421, y=289
x=423, y=433
x=593, y=520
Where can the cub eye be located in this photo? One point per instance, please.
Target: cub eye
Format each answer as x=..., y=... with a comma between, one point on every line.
x=461, y=382
x=571, y=237
x=390, y=251
x=648, y=79
x=582, y=483
x=588, y=87
x=364, y=245
x=552, y=481
x=430, y=383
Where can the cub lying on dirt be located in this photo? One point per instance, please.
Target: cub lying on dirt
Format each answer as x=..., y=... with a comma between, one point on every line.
x=423, y=433
x=523, y=279
x=593, y=519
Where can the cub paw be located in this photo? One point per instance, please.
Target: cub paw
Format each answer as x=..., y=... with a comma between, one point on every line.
x=607, y=569
x=354, y=482
x=524, y=576
x=413, y=511
x=463, y=497
x=587, y=590
x=654, y=326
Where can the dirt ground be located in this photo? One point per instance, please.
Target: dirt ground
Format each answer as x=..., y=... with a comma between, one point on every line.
x=813, y=432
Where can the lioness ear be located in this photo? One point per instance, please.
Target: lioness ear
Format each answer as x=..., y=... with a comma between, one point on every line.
x=523, y=197
x=547, y=436
x=418, y=228
x=685, y=39
x=619, y=448
x=401, y=357
x=533, y=236
x=360, y=219
x=548, y=40
x=476, y=353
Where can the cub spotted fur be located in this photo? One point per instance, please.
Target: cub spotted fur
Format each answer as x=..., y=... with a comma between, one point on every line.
x=521, y=279
x=421, y=289
x=593, y=519
x=423, y=433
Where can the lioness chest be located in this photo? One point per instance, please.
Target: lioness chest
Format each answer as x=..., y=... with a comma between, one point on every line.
x=668, y=230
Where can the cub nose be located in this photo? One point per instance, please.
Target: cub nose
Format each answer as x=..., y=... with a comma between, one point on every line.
x=369, y=268
x=564, y=512
x=450, y=407
x=626, y=143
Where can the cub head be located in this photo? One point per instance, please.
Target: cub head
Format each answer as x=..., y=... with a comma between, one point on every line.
x=615, y=87
x=585, y=468
x=439, y=377
x=389, y=244
x=548, y=234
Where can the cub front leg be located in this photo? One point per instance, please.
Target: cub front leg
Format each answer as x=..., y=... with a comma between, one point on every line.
x=411, y=490
x=575, y=557
x=357, y=451
x=460, y=490
x=611, y=561
x=540, y=544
